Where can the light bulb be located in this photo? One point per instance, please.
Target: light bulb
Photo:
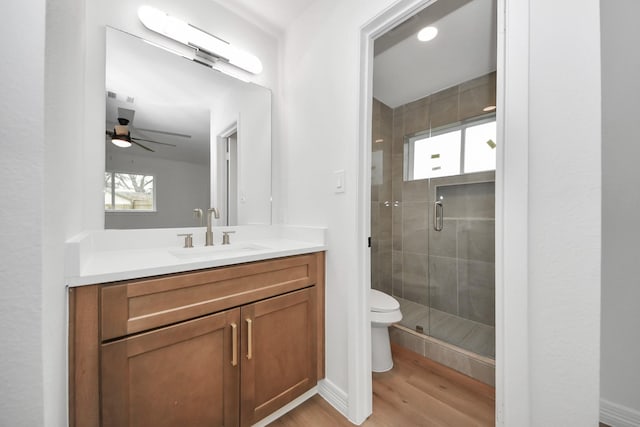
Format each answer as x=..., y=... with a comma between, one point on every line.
x=427, y=33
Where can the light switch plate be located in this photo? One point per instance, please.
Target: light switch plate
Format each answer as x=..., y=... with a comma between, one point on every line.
x=338, y=181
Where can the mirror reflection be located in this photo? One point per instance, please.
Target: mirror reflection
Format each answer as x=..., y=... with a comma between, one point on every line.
x=180, y=136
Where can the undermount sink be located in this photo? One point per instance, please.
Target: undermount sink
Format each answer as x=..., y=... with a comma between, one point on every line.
x=216, y=251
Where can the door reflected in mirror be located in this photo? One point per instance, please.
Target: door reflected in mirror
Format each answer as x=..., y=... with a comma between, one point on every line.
x=181, y=136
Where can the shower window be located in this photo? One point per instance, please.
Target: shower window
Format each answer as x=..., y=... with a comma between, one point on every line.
x=465, y=147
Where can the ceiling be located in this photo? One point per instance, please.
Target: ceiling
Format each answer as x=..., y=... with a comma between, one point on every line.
x=277, y=14
x=406, y=69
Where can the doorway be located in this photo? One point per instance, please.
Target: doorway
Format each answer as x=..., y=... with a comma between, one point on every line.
x=227, y=172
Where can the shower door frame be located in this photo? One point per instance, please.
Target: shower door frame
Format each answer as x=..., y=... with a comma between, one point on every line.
x=512, y=118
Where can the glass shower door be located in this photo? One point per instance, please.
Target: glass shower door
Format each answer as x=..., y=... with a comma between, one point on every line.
x=461, y=268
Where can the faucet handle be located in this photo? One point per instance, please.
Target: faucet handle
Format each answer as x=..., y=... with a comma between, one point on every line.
x=188, y=239
x=225, y=237
x=197, y=213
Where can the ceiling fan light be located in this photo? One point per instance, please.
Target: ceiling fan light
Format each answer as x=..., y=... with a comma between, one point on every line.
x=120, y=141
x=121, y=130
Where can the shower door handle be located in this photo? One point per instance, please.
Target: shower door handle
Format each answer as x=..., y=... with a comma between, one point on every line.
x=438, y=216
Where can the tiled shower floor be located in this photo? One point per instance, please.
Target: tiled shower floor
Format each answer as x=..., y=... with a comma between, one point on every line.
x=464, y=333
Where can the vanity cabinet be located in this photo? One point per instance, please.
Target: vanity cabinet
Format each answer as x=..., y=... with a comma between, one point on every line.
x=220, y=347
x=180, y=375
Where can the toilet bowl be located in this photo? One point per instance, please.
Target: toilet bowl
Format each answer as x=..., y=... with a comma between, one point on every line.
x=384, y=310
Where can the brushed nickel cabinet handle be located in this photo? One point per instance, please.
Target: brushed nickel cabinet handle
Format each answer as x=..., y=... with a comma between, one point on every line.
x=249, y=337
x=234, y=344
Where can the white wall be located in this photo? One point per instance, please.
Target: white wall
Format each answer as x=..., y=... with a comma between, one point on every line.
x=22, y=137
x=564, y=219
x=320, y=95
x=174, y=205
x=620, y=376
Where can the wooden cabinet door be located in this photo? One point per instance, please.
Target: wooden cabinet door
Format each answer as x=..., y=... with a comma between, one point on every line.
x=181, y=375
x=278, y=353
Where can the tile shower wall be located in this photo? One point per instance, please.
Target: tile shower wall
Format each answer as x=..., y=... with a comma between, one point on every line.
x=460, y=258
x=381, y=206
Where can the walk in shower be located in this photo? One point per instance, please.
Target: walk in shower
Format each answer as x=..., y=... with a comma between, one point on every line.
x=433, y=176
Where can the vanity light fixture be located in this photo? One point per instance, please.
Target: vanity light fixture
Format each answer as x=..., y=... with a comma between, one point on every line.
x=427, y=33
x=207, y=46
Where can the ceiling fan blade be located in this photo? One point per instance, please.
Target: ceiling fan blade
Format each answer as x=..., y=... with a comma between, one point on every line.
x=155, y=142
x=181, y=135
x=140, y=145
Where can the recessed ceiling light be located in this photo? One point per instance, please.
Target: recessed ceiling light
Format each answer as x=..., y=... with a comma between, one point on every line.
x=427, y=33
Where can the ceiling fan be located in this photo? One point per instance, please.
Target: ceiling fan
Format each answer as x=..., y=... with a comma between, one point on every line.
x=121, y=133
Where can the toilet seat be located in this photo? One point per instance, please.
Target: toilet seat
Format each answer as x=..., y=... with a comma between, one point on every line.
x=379, y=302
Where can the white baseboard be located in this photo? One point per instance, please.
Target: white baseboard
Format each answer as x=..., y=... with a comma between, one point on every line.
x=286, y=408
x=335, y=396
x=617, y=415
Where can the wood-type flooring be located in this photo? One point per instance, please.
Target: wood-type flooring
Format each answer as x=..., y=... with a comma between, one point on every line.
x=416, y=392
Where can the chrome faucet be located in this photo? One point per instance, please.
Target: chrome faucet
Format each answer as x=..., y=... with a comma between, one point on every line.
x=208, y=240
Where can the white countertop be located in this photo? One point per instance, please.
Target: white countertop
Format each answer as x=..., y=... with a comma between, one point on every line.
x=103, y=256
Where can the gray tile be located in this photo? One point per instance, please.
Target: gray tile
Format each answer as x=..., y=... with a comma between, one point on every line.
x=443, y=284
x=396, y=216
x=416, y=116
x=408, y=340
x=483, y=80
x=444, y=110
x=415, y=191
x=444, y=94
x=397, y=148
x=414, y=227
x=415, y=278
x=477, y=291
x=467, y=178
x=448, y=357
x=385, y=189
x=474, y=100
x=396, y=274
x=481, y=340
x=384, y=221
x=414, y=314
x=444, y=242
x=397, y=182
x=483, y=372
x=454, y=330
x=474, y=200
x=476, y=240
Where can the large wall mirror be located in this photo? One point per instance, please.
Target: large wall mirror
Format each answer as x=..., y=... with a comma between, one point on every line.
x=194, y=138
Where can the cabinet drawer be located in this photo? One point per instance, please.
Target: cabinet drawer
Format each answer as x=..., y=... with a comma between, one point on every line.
x=140, y=305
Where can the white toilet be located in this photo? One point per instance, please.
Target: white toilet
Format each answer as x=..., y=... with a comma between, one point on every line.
x=384, y=310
